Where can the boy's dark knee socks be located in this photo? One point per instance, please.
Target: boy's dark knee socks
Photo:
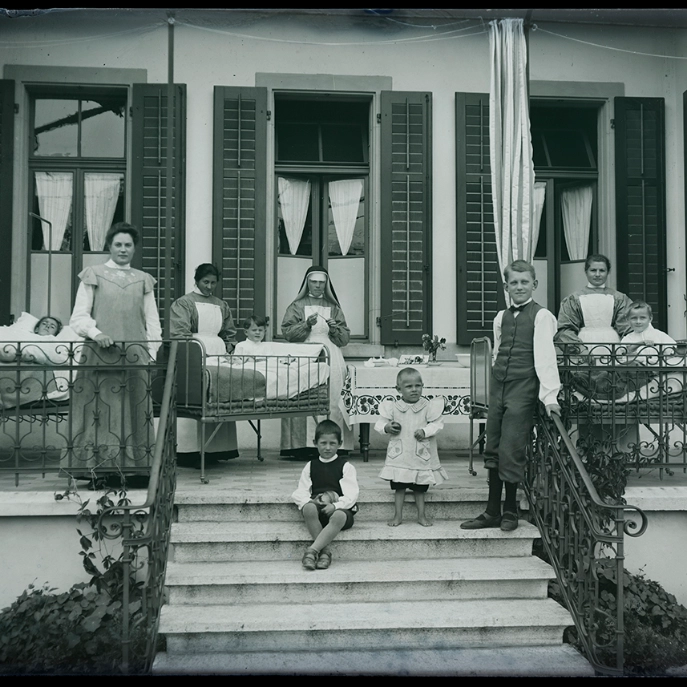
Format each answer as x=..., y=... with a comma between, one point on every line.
x=511, y=503
x=495, y=488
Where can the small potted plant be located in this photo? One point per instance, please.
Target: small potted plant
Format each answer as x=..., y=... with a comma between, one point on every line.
x=432, y=344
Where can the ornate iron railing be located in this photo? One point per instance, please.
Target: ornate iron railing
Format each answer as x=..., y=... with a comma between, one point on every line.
x=628, y=401
x=144, y=531
x=75, y=408
x=583, y=537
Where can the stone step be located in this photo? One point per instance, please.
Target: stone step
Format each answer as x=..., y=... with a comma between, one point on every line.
x=266, y=541
x=256, y=582
x=437, y=624
x=521, y=661
x=375, y=505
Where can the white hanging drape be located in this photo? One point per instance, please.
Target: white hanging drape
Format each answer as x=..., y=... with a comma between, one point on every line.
x=54, y=190
x=102, y=193
x=576, y=208
x=512, y=169
x=294, y=198
x=539, y=198
x=344, y=196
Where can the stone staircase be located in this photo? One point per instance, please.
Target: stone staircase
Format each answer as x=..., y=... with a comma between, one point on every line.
x=407, y=600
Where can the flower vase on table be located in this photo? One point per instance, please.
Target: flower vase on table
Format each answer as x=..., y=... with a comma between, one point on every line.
x=432, y=344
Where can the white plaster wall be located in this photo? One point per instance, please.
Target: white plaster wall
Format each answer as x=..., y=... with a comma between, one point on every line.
x=229, y=48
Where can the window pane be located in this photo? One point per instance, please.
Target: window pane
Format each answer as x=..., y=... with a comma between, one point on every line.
x=56, y=127
x=52, y=201
x=102, y=127
x=103, y=206
x=342, y=143
x=297, y=142
x=568, y=149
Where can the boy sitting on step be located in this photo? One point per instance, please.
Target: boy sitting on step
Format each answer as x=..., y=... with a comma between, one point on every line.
x=328, y=473
x=524, y=369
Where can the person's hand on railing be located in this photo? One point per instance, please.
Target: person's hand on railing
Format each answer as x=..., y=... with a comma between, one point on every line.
x=553, y=408
x=103, y=340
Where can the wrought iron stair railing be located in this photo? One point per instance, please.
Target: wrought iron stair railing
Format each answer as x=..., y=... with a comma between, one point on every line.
x=583, y=538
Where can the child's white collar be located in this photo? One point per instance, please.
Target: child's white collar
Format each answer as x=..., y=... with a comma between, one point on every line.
x=322, y=460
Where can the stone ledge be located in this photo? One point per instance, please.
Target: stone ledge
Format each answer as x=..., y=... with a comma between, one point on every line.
x=43, y=503
x=657, y=498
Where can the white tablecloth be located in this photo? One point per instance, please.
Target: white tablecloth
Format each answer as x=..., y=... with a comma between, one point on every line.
x=366, y=387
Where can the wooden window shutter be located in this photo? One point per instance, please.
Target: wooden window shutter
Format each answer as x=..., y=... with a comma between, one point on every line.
x=478, y=280
x=640, y=202
x=6, y=190
x=406, y=215
x=148, y=187
x=239, y=197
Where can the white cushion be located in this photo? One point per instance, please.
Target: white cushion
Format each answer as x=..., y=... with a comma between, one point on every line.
x=26, y=321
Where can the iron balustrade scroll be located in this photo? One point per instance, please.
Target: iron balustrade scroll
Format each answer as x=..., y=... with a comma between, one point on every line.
x=144, y=531
x=583, y=536
x=74, y=408
x=627, y=400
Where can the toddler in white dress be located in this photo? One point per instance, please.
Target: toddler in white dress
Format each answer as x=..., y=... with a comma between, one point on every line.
x=412, y=460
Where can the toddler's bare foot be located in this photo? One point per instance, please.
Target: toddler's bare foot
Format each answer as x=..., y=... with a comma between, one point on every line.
x=395, y=522
x=425, y=522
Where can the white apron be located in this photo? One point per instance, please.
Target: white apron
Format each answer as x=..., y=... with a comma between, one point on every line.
x=299, y=432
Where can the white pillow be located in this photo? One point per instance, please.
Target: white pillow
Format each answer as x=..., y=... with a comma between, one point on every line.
x=68, y=334
x=26, y=322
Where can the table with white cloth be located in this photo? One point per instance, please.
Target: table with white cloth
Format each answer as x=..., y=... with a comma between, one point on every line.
x=366, y=387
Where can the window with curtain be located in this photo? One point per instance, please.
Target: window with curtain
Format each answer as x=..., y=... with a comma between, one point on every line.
x=77, y=168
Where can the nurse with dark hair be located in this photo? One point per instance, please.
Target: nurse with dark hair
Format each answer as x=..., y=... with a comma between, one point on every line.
x=200, y=314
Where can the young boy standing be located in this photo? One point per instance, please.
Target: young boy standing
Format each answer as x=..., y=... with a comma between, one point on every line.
x=524, y=369
x=329, y=472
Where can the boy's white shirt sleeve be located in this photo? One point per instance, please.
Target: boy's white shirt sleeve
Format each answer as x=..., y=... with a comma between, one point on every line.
x=497, y=335
x=349, y=488
x=545, y=360
x=303, y=493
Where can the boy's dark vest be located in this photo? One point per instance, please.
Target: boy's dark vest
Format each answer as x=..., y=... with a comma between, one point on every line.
x=326, y=476
x=515, y=359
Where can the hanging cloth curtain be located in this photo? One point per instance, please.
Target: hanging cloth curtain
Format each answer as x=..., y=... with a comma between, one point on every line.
x=294, y=198
x=576, y=207
x=344, y=196
x=55, y=190
x=539, y=198
x=102, y=193
x=512, y=169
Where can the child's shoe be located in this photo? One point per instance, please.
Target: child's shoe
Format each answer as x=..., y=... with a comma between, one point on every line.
x=325, y=559
x=310, y=559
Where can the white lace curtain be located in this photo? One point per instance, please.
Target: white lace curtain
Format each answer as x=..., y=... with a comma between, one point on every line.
x=539, y=198
x=294, y=198
x=102, y=193
x=344, y=196
x=55, y=191
x=576, y=207
x=512, y=169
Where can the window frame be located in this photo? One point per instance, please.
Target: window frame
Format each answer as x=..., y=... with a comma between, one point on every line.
x=78, y=166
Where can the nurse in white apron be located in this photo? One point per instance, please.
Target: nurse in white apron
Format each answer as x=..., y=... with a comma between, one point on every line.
x=201, y=315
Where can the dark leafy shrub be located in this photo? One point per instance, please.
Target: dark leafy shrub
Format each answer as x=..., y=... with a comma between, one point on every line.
x=78, y=631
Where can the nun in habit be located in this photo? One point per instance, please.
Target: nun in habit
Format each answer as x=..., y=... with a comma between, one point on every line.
x=315, y=316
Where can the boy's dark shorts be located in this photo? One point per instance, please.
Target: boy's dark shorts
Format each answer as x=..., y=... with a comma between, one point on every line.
x=420, y=488
x=324, y=520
